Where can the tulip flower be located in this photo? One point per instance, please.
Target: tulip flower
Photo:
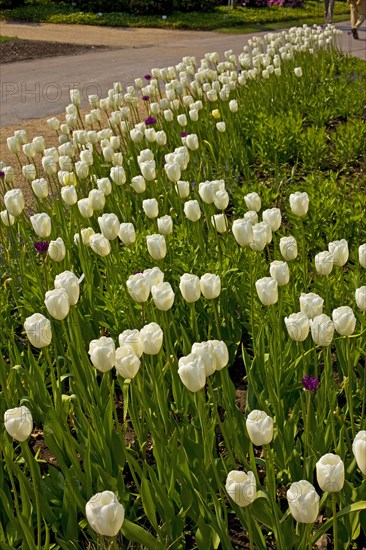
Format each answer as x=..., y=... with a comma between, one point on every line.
x=138, y=184
x=131, y=339
x=85, y=208
x=297, y=325
x=206, y=191
x=99, y=244
x=259, y=427
x=360, y=296
x=344, y=320
x=299, y=203
x=30, y=172
x=221, y=199
x=210, y=286
x=105, y=514
x=322, y=330
x=311, y=304
x=221, y=353
x=298, y=72
x=85, y=235
x=192, y=142
x=253, y=201
x=192, y=210
x=243, y=231
x=151, y=208
x=118, y=175
x=359, y=450
x=96, y=199
x=38, y=330
x=241, y=487
x=288, y=248
x=205, y=351
x=156, y=246
x=109, y=226
x=138, y=287
x=260, y=237
x=273, y=217
x=182, y=189
x=219, y=221
x=267, y=290
x=41, y=224
x=165, y=225
x=163, y=296
x=330, y=473
x=127, y=362
x=153, y=276
x=102, y=353
x=127, y=233
x=69, y=281
x=362, y=255
x=57, y=303
x=7, y=218
x=190, y=287
x=148, y=170
x=151, y=337
x=191, y=371
x=339, y=250
x=69, y=195
x=303, y=501
x=18, y=423
x=40, y=188
x=57, y=250
x=280, y=272
x=324, y=262
x=251, y=216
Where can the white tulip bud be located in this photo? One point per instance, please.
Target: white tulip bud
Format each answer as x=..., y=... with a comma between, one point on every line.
x=303, y=501
x=57, y=250
x=18, y=423
x=57, y=303
x=105, y=514
x=69, y=281
x=298, y=326
x=344, y=320
x=102, y=353
x=38, y=330
x=41, y=224
x=191, y=371
x=241, y=487
x=260, y=427
x=330, y=473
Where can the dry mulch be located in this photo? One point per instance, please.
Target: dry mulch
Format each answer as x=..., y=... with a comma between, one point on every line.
x=23, y=50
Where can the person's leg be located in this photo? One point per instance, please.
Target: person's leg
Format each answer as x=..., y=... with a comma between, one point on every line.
x=330, y=11
x=326, y=8
x=354, y=17
x=360, y=20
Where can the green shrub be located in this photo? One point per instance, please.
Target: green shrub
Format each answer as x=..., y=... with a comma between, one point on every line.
x=150, y=7
x=195, y=5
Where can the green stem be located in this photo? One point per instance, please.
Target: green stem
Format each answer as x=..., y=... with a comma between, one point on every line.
x=30, y=462
x=335, y=525
x=307, y=426
x=249, y=528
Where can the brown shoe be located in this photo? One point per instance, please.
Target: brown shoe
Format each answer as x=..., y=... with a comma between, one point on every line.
x=355, y=34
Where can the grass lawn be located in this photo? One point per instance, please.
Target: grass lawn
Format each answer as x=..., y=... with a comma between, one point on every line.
x=240, y=19
x=8, y=38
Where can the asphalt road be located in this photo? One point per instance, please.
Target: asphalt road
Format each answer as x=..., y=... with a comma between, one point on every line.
x=39, y=88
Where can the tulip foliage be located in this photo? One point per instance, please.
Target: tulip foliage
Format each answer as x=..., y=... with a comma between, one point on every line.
x=183, y=310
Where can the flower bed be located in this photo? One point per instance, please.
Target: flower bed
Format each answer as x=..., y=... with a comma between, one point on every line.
x=184, y=306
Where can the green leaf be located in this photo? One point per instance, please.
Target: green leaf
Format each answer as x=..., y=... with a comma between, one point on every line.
x=135, y=533
x=147, y=502
x=355, y=507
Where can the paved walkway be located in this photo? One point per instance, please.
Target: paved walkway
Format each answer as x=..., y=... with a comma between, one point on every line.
x=39, y=88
